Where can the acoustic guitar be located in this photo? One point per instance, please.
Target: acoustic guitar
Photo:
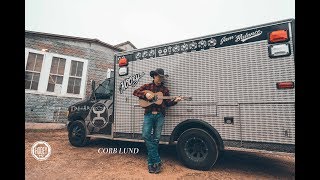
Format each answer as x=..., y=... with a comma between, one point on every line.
x=158, y=99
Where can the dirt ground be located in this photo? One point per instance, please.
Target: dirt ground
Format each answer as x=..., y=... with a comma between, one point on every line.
x=68, y=162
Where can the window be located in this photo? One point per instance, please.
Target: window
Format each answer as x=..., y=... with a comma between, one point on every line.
x=105, y=89
x=54, y=74
x=75, y=77
x=33, y=70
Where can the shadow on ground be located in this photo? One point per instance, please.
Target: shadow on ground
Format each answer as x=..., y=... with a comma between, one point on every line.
x=233, y=160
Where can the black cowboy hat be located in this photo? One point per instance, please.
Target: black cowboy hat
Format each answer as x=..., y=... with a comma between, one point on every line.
x=158, y=71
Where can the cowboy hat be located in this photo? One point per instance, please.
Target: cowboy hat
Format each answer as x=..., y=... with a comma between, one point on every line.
x=158, y=71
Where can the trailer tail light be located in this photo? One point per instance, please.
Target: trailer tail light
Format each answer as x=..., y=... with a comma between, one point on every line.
x=123, y=62
x=279, y=50
x=278, y=36
x=285, y=85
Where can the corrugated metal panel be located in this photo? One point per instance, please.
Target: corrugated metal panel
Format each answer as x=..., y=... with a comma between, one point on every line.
x=228, y=131
x=268, y=123
x=123, y=105
x=247, y=74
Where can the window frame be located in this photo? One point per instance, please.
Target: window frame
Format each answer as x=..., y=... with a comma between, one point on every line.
x=25, y=70
x=56, y=74
x=45, y=72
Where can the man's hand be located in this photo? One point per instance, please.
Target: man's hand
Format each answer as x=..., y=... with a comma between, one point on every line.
x=177, y=99
x=149, y=96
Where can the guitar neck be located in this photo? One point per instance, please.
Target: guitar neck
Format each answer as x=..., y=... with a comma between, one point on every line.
x=168, y=97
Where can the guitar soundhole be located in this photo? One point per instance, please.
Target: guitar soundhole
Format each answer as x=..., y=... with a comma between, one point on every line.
x=155, y=98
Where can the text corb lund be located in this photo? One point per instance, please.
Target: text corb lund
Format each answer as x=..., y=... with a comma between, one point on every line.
x=118, y=150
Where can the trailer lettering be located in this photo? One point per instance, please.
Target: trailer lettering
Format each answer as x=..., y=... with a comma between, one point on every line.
x=225, y=39
x=130, y=81
x=247, y=36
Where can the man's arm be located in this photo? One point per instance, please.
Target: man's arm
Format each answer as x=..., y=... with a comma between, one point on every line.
x=168, y=102
x=139, y=92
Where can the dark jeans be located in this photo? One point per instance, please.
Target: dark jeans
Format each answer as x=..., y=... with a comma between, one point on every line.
x=155, y=122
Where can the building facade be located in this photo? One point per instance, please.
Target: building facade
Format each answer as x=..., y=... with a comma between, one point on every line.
x=59, y=70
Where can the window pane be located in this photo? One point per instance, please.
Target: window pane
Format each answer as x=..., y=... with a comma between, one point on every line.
x=70, y=89
x=31, y=78
x=52, y=79
x=38, y=63
x=54, y=65
x=76, y=90
x=71, y=81
x=77, y=82
x=59, y=79
x=34, y=85
x=31, y=61
x=73, y=68
x=50, y=87
x=70, y=85
x=36, y=77
x=27, y=84
x=28, y=76
x=39, y=57
x=79, y=69
x=62, y=64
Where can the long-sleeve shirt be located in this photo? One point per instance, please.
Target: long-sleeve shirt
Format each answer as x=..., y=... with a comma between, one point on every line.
x=154, y=88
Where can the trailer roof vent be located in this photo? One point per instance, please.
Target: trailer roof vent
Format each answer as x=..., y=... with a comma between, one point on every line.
x=278, y=36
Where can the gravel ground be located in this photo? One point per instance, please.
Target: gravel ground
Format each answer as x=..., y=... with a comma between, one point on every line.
x=68, y=162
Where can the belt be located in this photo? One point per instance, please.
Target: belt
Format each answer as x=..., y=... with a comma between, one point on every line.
x=154, y=112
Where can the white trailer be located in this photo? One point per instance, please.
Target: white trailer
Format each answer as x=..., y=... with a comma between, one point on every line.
x=242, y=88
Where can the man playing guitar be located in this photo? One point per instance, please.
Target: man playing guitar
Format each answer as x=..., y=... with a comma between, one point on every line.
x=154, y=117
